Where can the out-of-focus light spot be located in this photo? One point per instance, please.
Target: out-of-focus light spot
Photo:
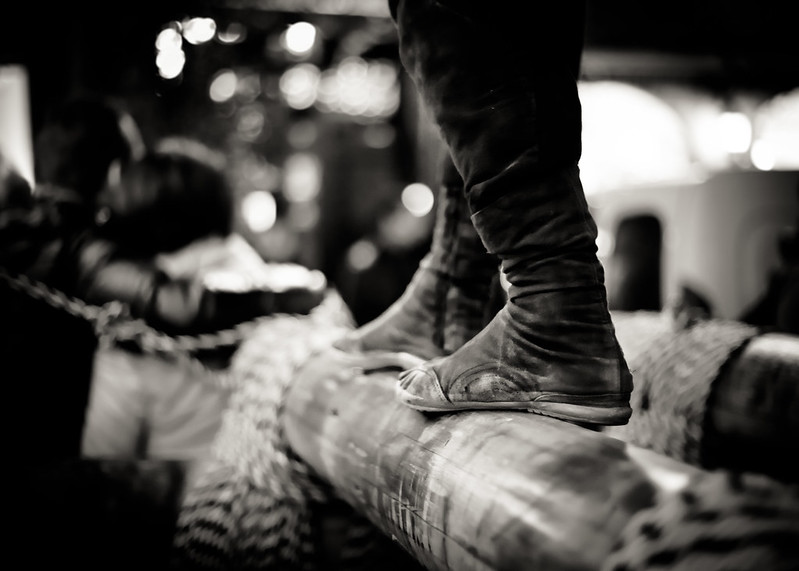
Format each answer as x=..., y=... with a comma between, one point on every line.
x=254, y=171
x=169, y=39
x=401, y=230
x=362, y=255
x=223, y=86
x=302, y=177
x=418, y=199
x=299, y=38
x=302, y=134
x=304, y=216
x=734, y=132
x=359, y=88
x=299, y=84
x=199, y=30
x=762, y=155
x=249, y=87
x=250, y=122
x=259, y=210
x=170, y=63
x=233, y=33
x=379, y=135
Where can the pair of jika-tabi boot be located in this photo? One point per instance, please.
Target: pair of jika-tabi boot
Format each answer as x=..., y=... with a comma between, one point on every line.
x=508, y=110
x=550, y=349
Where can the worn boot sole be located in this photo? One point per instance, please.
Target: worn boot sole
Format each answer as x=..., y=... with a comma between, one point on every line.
x=608, y=410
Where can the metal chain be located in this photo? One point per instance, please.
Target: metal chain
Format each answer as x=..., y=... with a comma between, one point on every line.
x=113, y=323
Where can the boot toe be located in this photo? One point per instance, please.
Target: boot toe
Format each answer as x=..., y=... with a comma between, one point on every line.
x=419, y=388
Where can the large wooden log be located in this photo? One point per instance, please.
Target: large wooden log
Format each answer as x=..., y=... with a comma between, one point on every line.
x=511, y=490
x=471, y=490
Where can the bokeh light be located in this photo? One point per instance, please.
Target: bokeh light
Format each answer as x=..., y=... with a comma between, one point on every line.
x=169, y=38
x=299, y=38
x=299, y=84
x=223, y=86
x=734, y=132
x=302, y=177
x=259, y=210
x=233, y=33
x=418, y=199
x=170, y=63
x=360, y=88
x=362, y=255
x=170, y=57
x=198, y=31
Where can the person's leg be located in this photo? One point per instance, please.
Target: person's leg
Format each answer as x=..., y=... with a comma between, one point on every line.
x=445, y=303
x=500, y=80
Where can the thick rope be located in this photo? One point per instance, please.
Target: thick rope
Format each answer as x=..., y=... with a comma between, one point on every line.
x=674, y=365
x=254, y=502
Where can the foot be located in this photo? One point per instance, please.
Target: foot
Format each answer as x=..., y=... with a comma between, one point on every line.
x=409, y=325
x=539, y=360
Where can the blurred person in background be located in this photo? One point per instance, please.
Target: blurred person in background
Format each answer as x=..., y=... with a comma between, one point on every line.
x=168, y=251
x=157, y=239
x=503, y=93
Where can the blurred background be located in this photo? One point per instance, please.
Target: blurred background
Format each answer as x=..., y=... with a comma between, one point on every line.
x=690, y=142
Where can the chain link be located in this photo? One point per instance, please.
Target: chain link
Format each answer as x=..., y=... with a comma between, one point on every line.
x=113, y=322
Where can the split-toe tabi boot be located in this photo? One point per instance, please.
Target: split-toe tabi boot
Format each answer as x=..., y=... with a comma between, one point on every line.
x=447, y=300
x=507, y=106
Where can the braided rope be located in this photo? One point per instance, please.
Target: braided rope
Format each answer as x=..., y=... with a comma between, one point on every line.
x=674, y=366
x=252, y=506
